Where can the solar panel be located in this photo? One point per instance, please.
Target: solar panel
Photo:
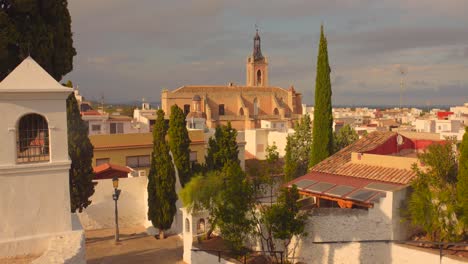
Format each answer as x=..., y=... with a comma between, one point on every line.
x=382, y=186
x=320, y=187
x=361, y=195
x=304, y=183
x=340, y=190
x=377, y=197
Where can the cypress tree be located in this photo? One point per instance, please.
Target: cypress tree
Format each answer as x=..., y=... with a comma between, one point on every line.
x=41, y=29
x=298, y=149
x=322, y=144
x=161, y=180
x=80, y=151
x=179, y=143
x=222, y=148
x=462, y=183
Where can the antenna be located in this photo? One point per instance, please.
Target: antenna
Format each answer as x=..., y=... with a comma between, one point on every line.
x=403, y=71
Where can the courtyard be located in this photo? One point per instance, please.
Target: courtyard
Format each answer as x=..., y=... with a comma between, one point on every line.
x=135, y=246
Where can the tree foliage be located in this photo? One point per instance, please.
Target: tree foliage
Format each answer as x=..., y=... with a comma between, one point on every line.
x=222, y=148
x=284, y=220
x=344, y=138
x=322, y=145
x=161, y=179
x=179, y=143
x=432, y=204
x=298, y=149
x=462, y=183
x=41, y=29
x=227, y=195
x=80, y=151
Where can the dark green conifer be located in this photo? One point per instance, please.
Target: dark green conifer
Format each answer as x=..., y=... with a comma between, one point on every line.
x=322, y=144
x=80, y=151
x=179, y=143
x=161, y=180
x=41, y=29
x=462, y=183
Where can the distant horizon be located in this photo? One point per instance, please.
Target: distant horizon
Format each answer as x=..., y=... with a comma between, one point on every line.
x=441, y=106
x=129, y=55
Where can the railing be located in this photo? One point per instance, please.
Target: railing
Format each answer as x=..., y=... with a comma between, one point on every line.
x=244, y=257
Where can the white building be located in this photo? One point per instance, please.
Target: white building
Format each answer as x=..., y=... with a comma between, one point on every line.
x=34, y=168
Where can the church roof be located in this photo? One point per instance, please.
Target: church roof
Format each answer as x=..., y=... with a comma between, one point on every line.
x=226, y=89
x=29, y=76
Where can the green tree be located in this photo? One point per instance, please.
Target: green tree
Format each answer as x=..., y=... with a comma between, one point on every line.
x=344, y=138
x=462, y=183
x=222, y=148
x=41, y=29
x=432, y=204
x=298, y=149
x=161, y=180
x=227, y=195
x=284, y=220
x=80, y=151
x=179, y=143
x=322, y=144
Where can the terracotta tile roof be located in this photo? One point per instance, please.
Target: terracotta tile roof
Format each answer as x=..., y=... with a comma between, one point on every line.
x=340, y=162
x=367, y=143
x=108, y=166
x=249, y=155
x=393, y=175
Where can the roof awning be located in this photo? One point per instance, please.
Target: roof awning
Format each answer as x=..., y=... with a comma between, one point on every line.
x=345, y=190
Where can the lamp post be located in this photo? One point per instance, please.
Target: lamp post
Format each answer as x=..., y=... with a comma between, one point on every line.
x=115, y=197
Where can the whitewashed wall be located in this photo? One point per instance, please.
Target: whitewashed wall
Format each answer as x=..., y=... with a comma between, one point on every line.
x=132, y=204
x=380, y=223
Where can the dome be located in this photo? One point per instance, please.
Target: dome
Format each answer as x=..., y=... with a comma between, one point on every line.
x=196, y=98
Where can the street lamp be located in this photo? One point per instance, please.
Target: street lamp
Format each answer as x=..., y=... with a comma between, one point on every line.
x=115, y=197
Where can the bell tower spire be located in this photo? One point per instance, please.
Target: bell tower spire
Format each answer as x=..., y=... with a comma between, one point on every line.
x=257, y=64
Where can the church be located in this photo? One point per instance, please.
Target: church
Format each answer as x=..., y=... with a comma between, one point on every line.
x=244, y=106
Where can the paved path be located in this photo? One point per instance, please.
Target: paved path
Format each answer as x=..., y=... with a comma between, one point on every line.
x=135, y=247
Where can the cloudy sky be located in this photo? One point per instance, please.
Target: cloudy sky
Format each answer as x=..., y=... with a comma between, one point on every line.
x=130, y=49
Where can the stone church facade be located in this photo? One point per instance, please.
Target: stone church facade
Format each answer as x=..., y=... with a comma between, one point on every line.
x=244, y=106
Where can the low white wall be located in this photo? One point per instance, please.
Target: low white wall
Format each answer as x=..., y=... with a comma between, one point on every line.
x=132, y=204
x=66, y=248
x=335, y=224
x=356, y=253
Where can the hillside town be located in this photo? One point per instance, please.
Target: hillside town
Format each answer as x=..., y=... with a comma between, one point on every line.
x=251, y=171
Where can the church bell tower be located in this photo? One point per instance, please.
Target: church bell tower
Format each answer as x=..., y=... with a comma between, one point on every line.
x=257, y=66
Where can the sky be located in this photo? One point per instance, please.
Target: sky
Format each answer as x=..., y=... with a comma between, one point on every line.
x=132, y=49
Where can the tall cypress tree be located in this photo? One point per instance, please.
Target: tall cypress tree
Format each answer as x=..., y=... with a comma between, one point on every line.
x=462, y=183
x=162, y=196
x=41, y=29
x=80, y=151
x=298, y=149
x=322, y=144
x=179, y=143
x=222, y=148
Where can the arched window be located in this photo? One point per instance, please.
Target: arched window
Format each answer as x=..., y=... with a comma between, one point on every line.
x=201, y=226
x=187, y=225
x=255, y=105
x=276, y=112
x=32, y=139
x=241, y=111
x=259, y=77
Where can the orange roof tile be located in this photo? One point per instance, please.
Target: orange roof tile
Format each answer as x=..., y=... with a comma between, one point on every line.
x=340, y=162
x=108, y=166
x=367, y=143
